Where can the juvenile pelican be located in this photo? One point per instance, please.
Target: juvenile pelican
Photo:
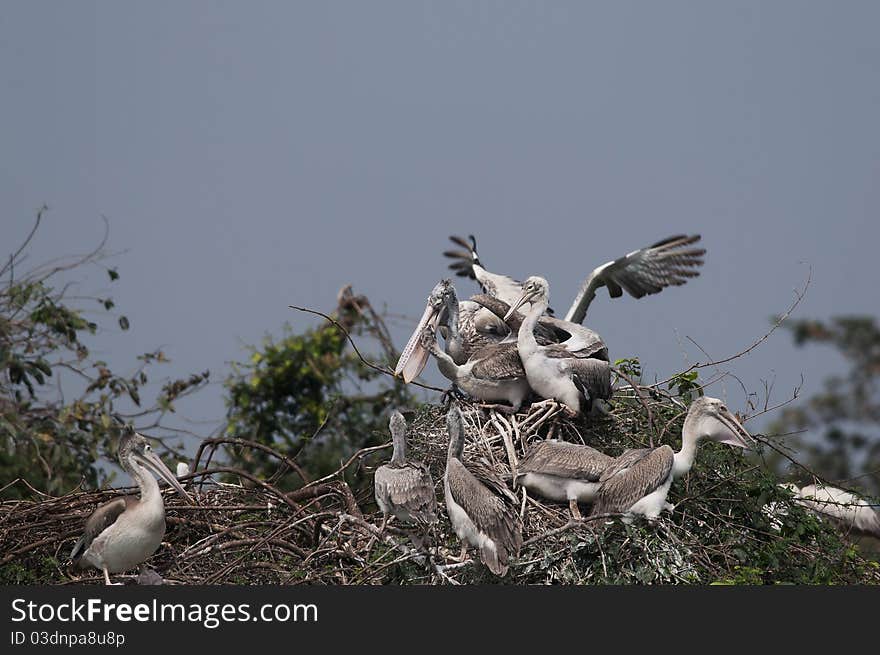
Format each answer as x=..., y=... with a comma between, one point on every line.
x=570, y=377
x=471, y=325
x=480, y=507
x=848, y=511
x=404, y=488
x=563, y=471
x=639, y=480
x=124, y=532
x=670, y=262
x=642, y=272
x=493, y=374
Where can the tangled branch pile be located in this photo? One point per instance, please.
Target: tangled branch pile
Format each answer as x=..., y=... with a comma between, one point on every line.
x=247, y=531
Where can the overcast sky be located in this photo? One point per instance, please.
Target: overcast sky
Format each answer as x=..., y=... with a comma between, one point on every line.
x=254, y=155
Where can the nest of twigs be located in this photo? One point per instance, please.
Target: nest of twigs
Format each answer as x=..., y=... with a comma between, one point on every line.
x=249, y=531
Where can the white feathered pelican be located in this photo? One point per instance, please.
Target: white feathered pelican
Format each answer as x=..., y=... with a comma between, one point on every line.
x=126, y=531
x=639, y=480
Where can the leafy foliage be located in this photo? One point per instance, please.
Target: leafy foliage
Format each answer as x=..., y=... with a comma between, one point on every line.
x=847, y=410
x=308, y=395
x=47, y=438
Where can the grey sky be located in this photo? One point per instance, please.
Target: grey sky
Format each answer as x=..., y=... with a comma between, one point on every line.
x=254, y=155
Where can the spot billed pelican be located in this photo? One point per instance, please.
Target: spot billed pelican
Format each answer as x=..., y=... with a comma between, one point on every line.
x=639, y=480
x=572, y=378
x=480, y=507
x=848, y=511
x=404, y=488
x=670, y=262
x=493, y=374
x=126, y=531
x=563, y=471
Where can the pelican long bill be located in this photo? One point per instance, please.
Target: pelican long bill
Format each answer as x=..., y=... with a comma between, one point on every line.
x=414, y=357
x=739, y=435
x=152, y=461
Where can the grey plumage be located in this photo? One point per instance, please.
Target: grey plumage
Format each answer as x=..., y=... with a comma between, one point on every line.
x=564, y=459
x=634, y=475
x=493, y=374
x=569, y=375
x=466, y=263
x=101, y=519
x=124, y=532
x=405, y=488
x=638, y=481
x=646, y=271
x=480, y=506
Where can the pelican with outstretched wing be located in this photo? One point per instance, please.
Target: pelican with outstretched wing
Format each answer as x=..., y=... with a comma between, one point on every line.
x=670, y=262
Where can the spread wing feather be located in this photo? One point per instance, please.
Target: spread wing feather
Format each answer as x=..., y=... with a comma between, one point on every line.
x=466, y=263
x=670, y=262
x=633, y=476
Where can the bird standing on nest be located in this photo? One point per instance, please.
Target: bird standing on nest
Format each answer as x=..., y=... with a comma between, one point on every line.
x=404, y=489
x=563, y=471
x=639, y=480
x=126, y=531
x=480, y=507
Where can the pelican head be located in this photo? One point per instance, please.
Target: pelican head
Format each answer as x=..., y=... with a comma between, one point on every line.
x=136, y=454
x=397, y=426
x=709, y=418
x=534, y=288
x=415, y=356
x=455, y=428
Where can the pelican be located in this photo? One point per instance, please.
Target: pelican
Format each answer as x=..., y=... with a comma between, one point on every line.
x=563, y=471
x=847, y=510
x=554, y=372
x=480, y=506
x=670, y=262
x=126, y=531
x=466, y=326
x=639, y=480
x=471, y=325
x=493, y=375
x=404, y=488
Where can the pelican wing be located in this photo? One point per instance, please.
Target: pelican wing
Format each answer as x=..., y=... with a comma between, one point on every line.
x=670, y=262
x=101, y=519
x=490, y=510
x=566, y=460
x=575, y=338
x=498, y=361
x=466, y=263
x=847, y=509
x=408, y=486
x=633, y=476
